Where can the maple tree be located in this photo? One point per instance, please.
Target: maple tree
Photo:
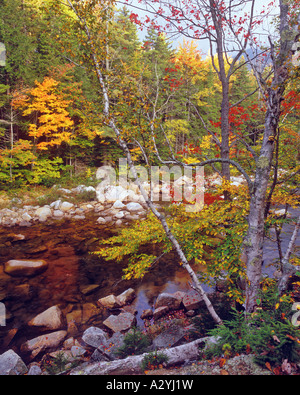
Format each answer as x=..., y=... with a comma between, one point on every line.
x=50, y=123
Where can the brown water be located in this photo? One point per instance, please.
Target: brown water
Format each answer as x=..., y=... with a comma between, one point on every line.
x=67, y=247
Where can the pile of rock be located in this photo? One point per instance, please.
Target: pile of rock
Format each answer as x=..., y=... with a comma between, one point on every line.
x=57, y=328
x=166, y=302
x=116, y=213
x=115, y=202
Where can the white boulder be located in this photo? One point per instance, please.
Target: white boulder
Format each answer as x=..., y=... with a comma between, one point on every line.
x=66, y=206
x=118, y=204
x=133, y=206
x=43, y=213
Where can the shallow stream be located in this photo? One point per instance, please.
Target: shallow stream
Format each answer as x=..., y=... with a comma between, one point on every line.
x=67, y=246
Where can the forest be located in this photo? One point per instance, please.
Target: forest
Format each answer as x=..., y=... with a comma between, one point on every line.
x=85, y=83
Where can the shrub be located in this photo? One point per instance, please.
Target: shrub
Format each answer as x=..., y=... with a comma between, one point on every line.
x=270, y=338
x=234, y=334
x=273, y=341
x=154, y=360
x=135, y=343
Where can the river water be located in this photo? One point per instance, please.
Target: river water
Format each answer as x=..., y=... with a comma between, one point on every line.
x=67, y=246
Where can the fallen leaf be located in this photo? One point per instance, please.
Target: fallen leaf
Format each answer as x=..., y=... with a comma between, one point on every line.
x=224, y=372
x=222, y=362
x=268, y=366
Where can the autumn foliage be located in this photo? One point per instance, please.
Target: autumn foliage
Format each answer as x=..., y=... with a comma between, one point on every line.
x=49, y=120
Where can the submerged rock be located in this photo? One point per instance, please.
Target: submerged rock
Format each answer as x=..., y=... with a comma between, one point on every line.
x=26, y=268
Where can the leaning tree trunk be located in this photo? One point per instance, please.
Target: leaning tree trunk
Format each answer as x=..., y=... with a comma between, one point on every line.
x=253, y=245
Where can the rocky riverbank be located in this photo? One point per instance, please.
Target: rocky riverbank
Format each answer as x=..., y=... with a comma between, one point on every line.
x=107, y=212
x=95, y=352
x=170, y=317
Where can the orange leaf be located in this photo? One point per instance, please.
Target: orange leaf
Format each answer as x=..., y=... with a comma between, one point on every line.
x=268, y=366
x=222, y=362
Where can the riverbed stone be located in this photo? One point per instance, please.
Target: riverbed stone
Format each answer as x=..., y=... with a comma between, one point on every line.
x=169, y=338
x=26, y=268
x=90, y=312
x=120, y=323
x=56, y=205
x=160, y=312
x=43, y=213
x=26, y=217
x=147, y=314
x=167, y=299
x=120, y=215
x=35, y=370
x=89, y=289
x=12, y=364
x=47, y=342
x=133, y=206
x=66, y=206
x=95, y=337
x=192, y=300
x=78, y=351
x=126, y=297
x=118, y=204
x=50, y=319
x=58, y=214
x=114, y=193
x=109, y=302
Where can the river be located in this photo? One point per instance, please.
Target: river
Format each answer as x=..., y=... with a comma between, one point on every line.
x=67, y=246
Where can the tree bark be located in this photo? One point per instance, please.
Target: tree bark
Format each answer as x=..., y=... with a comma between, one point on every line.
x=253, y=245
x=288, y=269
x=224, y=79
